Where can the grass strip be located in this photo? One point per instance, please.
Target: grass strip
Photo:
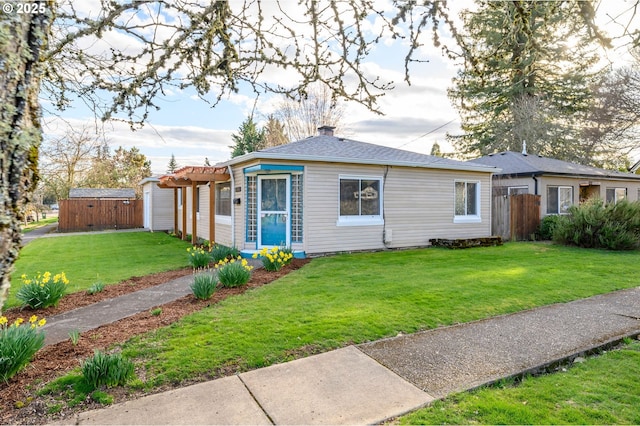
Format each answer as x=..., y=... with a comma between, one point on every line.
x=106, y=257
x=601, y=390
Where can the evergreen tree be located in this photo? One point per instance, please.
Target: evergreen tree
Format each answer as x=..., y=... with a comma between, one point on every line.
x=527, y=75
x=173, y=164
x=248, y=139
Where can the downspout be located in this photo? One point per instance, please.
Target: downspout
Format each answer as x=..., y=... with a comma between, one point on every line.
x=233, y=209
x=535, y=187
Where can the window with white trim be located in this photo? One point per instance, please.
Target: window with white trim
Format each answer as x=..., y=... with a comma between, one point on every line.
x=360, y=200
x=467, y=201
x=615, y=195
x=559, y=199
x=180, y=198
x=517, y=190
x=223, y=199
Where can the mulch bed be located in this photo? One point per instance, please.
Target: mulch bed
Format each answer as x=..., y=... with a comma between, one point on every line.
x=19, y=404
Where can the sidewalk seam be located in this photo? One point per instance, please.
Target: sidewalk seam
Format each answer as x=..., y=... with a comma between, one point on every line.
x=255, y=399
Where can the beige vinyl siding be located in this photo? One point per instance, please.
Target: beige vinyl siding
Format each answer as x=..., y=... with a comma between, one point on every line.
x=418, y=202
x=321, y=194
x=418, y=206
x=161, y=208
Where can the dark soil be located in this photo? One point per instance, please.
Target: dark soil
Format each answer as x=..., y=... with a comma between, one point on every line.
x=18, y=401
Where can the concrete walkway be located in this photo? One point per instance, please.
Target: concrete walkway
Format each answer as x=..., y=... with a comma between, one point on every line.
x=372, y=382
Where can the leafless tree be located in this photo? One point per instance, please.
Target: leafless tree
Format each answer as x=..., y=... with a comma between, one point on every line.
x=301, y=118
x=66, y=160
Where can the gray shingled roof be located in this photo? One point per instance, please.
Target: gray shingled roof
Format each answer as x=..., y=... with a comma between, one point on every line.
x=517, y=164
x=102, y=193
x=341, y=150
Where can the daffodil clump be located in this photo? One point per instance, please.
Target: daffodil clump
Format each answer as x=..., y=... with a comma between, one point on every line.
x=199, y=257
x=19, y=341
x=43, y=290
x=233, y=272
x=275, y=258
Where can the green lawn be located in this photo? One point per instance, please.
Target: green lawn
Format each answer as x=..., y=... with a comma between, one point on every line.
x=109, y=257
x=602, y=390
x=338, y=300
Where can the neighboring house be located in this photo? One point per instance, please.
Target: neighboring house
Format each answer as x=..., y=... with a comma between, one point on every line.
x=560, y=184
x=158, y=201
x=92, y=209
x=328, y=194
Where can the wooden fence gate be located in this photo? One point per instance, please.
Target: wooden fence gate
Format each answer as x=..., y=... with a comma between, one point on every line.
x=515, y=217
x=98, y=214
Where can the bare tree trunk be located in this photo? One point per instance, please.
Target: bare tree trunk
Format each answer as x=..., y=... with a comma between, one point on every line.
x=23, y=36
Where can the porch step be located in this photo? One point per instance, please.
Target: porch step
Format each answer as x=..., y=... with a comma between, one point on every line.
x=247, y=254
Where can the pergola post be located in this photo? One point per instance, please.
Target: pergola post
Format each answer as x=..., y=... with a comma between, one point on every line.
x=212, y=212
x=175, y=210
x=194, y=212
x=184, y=212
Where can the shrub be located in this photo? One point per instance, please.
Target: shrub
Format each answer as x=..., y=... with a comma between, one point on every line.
x=274, y=259
x=232, y=273
x=43, y=290
x=199, y=257
x=594, y=225
x=107, y=369
x=547, y=226
x=204, y=285
x=220, y=252
x=18, y=343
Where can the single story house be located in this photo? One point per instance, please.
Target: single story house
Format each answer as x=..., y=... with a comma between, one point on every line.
x=560, y=184
x=328, y=194
x=158, y=205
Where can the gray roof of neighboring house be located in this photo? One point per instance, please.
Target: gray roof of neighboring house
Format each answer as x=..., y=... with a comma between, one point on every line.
x=340, y=150
x=517, y=164
x=102, y=193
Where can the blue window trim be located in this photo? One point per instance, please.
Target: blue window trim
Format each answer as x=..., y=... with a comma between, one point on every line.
x=266, y=168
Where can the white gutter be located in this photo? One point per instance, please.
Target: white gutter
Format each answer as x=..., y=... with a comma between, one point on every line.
x=327, y=159
x=233, y=209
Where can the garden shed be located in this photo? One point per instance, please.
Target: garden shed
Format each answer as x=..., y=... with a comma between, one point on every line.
x=158, y=205
x=96, y=209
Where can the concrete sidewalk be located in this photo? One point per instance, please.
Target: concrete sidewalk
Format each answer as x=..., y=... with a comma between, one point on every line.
x=376, y=381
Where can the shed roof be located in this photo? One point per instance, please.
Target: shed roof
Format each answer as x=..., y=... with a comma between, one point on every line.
x=517, y=164
x=102, y=193
x=333, y=149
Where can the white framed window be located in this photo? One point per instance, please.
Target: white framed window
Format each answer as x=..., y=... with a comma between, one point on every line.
x=615, y=195
x=517, y=190
x=180, y=198
x=360, y=200
x=466, y=202
x=559, y=199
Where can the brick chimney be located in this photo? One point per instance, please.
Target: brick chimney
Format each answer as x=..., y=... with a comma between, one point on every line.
x=326, y=130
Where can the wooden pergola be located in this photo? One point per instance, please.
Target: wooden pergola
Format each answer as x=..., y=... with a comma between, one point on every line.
x=194, y=176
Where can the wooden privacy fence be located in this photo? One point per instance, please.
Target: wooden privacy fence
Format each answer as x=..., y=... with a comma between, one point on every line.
x=99, y=214
x=515, y=217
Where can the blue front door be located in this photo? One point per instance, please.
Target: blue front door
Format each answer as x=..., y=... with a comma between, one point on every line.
x=273, y=214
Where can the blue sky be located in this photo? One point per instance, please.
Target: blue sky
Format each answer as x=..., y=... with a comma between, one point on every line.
x=191, y=130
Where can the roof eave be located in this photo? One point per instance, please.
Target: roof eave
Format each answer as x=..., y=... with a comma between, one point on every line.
x=327, y=159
